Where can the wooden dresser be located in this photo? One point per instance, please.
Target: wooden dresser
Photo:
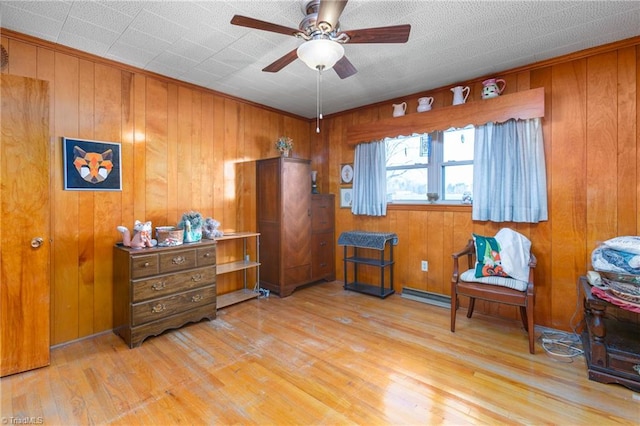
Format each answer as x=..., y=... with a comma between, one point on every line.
x=160, y=288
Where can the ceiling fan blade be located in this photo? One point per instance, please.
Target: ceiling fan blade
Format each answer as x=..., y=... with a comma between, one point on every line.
x=282, y=62
x=393, y=34
x=344, y=68
x=244, y=21
x=330, y=11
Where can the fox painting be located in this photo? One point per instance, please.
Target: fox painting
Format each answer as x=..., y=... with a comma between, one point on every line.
x=92, y=166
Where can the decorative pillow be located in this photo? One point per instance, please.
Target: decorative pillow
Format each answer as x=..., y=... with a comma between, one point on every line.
x=488, y=257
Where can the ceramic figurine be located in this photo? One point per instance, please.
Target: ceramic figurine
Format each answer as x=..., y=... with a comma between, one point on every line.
x=141, y=235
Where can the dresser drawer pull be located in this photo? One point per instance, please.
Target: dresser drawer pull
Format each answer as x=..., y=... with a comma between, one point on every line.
x=196, y=298
x=197, y=277
x=207, y=254
x=158, y=308
x=146, y=265
x=179, y=260
x=323, y=243
x=636, y=368
x=159, y=285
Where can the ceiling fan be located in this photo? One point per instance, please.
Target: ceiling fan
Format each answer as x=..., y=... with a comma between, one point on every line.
x=323, y=37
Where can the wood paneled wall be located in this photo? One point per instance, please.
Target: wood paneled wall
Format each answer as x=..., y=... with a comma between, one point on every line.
x=183, y=148
x=188, y=148
x=593, y=167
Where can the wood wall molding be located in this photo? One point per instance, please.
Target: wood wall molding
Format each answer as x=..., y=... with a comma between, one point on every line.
x=520, y=105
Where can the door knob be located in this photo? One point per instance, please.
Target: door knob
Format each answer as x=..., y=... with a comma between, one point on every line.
x=36, y=242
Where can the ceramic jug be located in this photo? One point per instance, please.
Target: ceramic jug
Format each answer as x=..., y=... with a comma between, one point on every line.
x=424, y=104
x=399, y=109
x=459, y=95
x=492, y=88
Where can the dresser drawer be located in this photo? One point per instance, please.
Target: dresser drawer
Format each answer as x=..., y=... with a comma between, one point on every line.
x=206, y=256
x=177, y=260
x=165, y=307
x=322, y=254
x=144, y=266
x=322, y=216
x=162, y=285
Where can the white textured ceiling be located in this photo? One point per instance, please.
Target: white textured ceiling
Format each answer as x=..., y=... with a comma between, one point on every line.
x=450, y=41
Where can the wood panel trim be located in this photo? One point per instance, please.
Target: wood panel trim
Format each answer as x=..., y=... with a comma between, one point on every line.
x=520, y=105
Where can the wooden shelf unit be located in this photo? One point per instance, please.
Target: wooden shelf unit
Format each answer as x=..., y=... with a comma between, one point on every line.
x=245, y=293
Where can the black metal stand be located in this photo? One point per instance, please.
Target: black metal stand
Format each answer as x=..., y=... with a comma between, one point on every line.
x=382, y=263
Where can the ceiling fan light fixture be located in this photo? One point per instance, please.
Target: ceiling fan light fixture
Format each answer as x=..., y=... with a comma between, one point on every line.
x=320, y=53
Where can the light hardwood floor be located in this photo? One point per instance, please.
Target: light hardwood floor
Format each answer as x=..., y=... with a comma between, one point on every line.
x=320, y=356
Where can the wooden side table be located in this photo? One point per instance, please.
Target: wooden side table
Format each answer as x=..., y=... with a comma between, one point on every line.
x=611, y=346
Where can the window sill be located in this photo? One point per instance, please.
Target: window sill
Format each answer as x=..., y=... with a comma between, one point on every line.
x=427, y=206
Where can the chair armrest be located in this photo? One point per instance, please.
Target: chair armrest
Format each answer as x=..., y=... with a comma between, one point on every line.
x=532, y=264
x=469, y=251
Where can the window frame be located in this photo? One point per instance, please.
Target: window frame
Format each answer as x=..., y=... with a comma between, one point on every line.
x=435, y=168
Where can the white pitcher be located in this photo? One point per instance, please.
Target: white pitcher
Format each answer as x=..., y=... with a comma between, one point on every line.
x=459, y=96
x=424, y=104
x=399, y=109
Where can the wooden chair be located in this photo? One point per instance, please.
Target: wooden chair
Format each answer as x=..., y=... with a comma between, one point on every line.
x=494, y=293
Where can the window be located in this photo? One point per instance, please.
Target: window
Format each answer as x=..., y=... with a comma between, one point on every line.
x=439, y=162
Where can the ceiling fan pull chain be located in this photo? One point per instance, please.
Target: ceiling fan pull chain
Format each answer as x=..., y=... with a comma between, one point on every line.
x=320, y=90
x=318, y=100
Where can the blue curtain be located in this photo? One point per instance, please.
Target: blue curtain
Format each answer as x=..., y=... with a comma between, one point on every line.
x=509, y=174
x=370, y=179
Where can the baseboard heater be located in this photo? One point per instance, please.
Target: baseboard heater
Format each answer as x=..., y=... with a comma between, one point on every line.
x=426, y=297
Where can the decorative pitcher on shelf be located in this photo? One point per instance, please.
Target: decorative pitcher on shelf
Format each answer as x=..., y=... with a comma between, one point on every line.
x=459, y=95
x=492, y=88
x=399, y=109
x=424, y=104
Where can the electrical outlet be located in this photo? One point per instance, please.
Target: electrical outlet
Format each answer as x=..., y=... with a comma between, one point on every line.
x=424, y=266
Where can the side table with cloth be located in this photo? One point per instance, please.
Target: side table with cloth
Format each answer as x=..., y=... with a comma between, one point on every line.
x=369, y=240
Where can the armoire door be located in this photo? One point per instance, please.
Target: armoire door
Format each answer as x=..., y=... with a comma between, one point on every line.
x=24, y=225
x=296, y=222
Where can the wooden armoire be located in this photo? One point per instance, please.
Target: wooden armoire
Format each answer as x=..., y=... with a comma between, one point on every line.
x=296, y=229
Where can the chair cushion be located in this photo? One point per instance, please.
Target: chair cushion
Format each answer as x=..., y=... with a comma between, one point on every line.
x=470, y=276
x=488, y=261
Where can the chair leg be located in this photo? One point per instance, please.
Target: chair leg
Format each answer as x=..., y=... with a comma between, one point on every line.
x=472, y=304
x=524, y=317
x=531, y=330
x=454, y=309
